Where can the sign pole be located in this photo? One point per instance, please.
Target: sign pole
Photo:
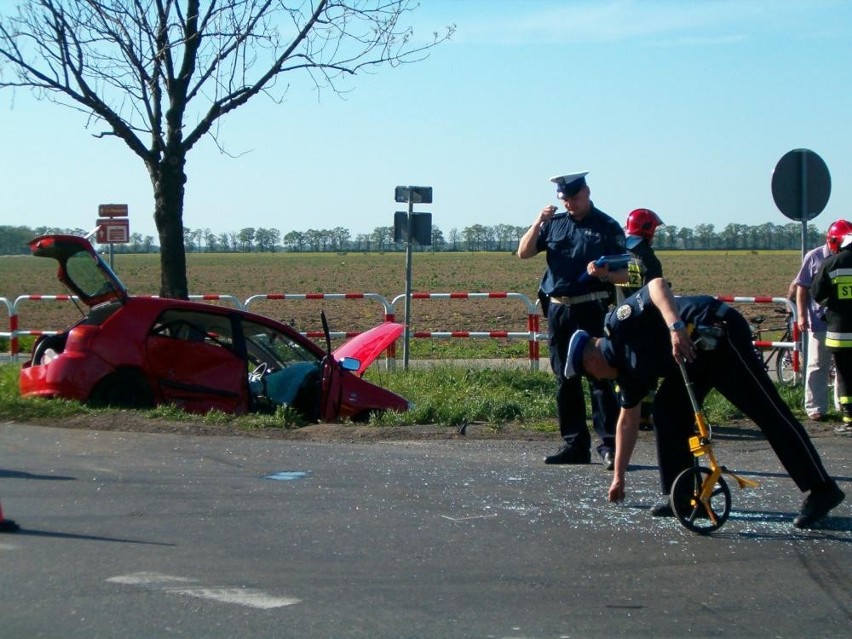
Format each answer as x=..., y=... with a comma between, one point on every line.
x=801, y=185
x=411, y=195
x=407, y=334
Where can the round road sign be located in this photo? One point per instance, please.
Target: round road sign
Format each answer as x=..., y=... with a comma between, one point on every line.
x=801, y=184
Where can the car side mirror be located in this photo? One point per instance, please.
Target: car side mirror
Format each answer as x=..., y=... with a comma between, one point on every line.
x=350, y=364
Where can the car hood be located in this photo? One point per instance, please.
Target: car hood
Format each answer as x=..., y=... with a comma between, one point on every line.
x=81, y=268
x=367, y=346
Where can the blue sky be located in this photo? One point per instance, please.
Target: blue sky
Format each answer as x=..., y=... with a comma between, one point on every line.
x=683, y=107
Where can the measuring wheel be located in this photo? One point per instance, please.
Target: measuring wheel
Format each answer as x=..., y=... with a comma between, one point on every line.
x=687, y=506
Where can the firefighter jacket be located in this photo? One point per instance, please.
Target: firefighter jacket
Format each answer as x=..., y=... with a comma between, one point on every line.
x=832, y=288
x=642, y=268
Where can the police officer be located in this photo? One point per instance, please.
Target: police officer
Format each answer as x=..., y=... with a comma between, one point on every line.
x=832, y=288
x=571, y=300
x=646, y=336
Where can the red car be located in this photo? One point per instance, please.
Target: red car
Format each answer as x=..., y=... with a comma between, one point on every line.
x=142, y=351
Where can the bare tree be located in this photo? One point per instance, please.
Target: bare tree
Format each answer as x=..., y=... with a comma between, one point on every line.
x=159, y=74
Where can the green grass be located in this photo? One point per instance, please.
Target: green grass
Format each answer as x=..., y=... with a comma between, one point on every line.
x=442, y=395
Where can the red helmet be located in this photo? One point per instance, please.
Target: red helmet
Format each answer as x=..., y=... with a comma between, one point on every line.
x=643, y=222
x=835, y=234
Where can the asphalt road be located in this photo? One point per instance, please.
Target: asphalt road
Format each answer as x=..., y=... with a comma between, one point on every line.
x=138, y=535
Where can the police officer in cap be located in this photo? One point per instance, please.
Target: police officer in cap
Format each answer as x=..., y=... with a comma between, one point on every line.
x=646, y=336
x=574, y=294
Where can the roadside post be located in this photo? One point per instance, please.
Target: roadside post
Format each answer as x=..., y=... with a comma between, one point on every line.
x=411, y=227
x=113, y=226
x=801, y=185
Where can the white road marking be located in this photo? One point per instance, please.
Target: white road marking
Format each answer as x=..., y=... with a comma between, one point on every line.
x=251, y=597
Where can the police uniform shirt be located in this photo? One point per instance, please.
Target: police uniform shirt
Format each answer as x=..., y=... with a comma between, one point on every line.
x=639, y=342
x=570, y=245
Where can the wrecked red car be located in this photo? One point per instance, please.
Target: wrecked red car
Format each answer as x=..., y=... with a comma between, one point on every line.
x=139, y=352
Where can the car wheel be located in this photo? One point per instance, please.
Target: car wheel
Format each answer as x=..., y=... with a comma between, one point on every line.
x=124, y=388
x=364, y=416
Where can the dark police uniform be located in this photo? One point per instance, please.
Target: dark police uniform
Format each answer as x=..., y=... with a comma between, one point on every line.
x=572, y=300
x=832, y=288
x=639, y=346
x=643, y=267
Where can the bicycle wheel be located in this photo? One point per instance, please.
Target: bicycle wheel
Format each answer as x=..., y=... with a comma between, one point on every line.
x=687, y=507
x=784, y=367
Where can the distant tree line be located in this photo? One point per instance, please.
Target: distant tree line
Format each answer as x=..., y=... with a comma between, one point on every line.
x=500, y=237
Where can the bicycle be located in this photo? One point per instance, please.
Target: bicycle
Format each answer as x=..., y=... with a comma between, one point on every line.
x=698, y=492
x=783, y=359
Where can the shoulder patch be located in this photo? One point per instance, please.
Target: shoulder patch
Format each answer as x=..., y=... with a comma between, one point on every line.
x=623, y=312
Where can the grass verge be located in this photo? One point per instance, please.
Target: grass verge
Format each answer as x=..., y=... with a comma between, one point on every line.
x=442, y=395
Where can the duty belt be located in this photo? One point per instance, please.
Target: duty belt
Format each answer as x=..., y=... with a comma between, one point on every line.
x=579, y=299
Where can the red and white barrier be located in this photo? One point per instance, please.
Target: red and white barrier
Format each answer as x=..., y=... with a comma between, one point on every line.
x=795, y=345
x=532, y=334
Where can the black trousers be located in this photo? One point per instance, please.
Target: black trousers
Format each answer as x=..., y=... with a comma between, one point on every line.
x=562, y=321
x=843, y=379
x=735, y=370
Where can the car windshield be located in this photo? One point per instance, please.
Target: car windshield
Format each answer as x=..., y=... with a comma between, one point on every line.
x=265, y=344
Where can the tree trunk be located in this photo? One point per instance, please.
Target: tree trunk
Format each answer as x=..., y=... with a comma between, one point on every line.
x=168, y=178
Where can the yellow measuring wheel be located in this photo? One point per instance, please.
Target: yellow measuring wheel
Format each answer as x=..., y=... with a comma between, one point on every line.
x=700, y=497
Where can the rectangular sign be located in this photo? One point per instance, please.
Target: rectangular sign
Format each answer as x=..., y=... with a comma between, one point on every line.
x=413, y=194
x=113, y=231
x=112, y=210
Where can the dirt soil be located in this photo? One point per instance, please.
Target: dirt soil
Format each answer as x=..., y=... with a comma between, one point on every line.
x=132, y=421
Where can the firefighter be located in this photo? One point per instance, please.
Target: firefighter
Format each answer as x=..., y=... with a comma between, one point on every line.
x=832, y=288
x=644, y=266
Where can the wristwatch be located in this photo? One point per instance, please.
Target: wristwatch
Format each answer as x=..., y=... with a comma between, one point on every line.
x=676, y=326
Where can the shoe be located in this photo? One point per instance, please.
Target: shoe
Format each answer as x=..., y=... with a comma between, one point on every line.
x=815, y=417
x=609, y=460
x=664, y=509
x=817, y=504
x=646, y=424
x=843, y=429
x=569, y=455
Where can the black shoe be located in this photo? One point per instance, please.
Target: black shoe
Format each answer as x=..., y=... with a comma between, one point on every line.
x=609, y=460
x=664, y=509
x=817, y=505
x=569, y=455
x=646, y=424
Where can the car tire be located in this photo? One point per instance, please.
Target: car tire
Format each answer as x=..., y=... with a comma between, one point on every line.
x=124, y=388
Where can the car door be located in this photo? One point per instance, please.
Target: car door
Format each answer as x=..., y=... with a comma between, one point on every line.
x=191, y=355
x=287, y=359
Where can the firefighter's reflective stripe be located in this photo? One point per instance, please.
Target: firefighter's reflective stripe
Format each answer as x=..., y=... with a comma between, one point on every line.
x=843, y=282
x=635, y=274
x=635, y=279
x=835, y=339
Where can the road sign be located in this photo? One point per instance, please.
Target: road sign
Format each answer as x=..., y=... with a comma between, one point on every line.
x=421, y=227
x=112, y=210
x=111, y=231
x=413, y=194
x=801, y=184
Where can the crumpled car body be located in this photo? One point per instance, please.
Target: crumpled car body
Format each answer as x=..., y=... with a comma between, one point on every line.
x=138, y=352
